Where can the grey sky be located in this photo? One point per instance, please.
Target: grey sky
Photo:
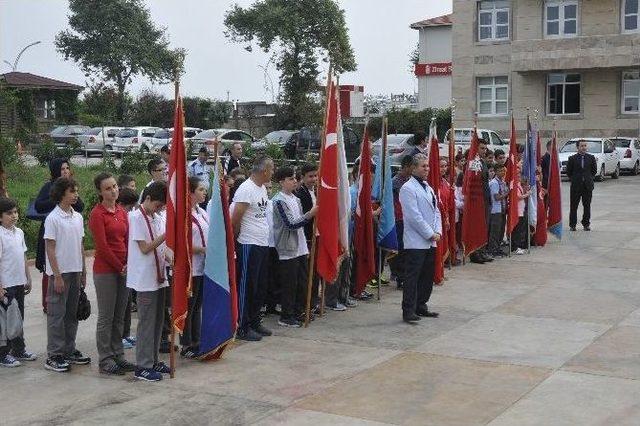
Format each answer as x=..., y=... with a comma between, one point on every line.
x=379, y=31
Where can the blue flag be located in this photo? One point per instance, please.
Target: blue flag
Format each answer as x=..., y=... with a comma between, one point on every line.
x=383, y=192
x=529, y=164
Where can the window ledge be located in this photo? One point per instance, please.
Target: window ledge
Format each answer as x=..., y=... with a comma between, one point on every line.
x=492, y=42
x=629, y=115
x=493, y=117
x=566, y=116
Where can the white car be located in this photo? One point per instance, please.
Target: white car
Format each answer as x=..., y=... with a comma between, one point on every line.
x=608, y=159
x=134, y=139
x=629, y=150
x=163, y=137
x=463, y=141
x=226, y=136
x=97, y=139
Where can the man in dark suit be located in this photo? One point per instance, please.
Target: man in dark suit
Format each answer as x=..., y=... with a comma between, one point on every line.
x=581, y=169
x=544, y=164
x=481, y=256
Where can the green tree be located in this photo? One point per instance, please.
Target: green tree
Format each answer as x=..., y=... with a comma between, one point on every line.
x=298, y=33
x=152, y=109
x=100, y=103
x=117, y=40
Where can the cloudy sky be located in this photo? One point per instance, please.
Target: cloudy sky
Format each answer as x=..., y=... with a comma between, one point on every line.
x=379, y=31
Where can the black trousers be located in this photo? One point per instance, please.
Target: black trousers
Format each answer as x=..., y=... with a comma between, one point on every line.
x=292, y=275
x=191, y=334
x=578, y=193
x=418, y=282
x=274, y=287
x=519, y=235
x=15, y=346
x=253, y=279
x=338, y=291
x=396, y=263
x=496, y=232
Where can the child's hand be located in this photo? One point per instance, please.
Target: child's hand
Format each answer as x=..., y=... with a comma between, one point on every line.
x=27, y=286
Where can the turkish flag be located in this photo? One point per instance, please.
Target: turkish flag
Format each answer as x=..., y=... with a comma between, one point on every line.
x=327, y=220
x=554, y=217
x=363, y=240
x=512, y=179
x=474, y=223
x=434, y=182
x=178, y=236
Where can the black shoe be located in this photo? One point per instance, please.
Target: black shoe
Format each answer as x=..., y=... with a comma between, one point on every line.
x=112, y=370
x=289, y=322
x=249, y=336
x=587, y=228
x=262, y=330
x=572, y=228
x=426, y=313
x=125, y=365
x=476, y=259
x=486, y=258
x=57, y=363
x=411, y=319
x=77, y=358
x=272, y=310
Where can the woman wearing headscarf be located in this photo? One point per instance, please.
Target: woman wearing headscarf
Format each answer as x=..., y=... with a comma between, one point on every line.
x=58, y=167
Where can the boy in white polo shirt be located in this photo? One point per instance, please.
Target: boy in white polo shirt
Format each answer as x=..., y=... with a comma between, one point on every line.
x=146, y=275
x=15, y=280
x=65, y=266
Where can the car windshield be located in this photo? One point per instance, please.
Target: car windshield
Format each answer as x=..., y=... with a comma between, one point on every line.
x=207, y=134
x=277, y=136
x=59, y=130
x=594, y=147
x=126, y=133
x=162, y=134
x=394, y=140
x=94, y=131
x=621, y=143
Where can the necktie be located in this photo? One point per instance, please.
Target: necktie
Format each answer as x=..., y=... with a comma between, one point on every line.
x=582, y=160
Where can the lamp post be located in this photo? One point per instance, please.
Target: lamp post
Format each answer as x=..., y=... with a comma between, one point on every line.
x=14, y=67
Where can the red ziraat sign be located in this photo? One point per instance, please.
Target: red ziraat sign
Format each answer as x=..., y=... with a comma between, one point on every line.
x=440, y=68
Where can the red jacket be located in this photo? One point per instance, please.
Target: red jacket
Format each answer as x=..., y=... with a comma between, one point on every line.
x=110, y=231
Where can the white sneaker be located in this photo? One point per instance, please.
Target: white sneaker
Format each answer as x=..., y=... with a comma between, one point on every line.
x=9, y=362
x=339, y=307
x=520, y=252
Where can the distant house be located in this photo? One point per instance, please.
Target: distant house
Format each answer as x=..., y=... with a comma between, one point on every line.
x=49, y=101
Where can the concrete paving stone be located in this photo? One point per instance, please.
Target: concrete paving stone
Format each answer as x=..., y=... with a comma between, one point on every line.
x=616, y=353
x=542, y=342
x=616, y=258
x=569, y=399
x=631, y=244
x=602, y=235
x=419, y=389
x=569, y=254
x=633, y=319
x=595, y=277
x=479, y=296
x=573, y=304
x=299, y=417
x=279, y=370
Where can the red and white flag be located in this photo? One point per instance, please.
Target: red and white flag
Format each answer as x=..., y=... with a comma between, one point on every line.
x=178, y=236
x=512, y=179
x=363, y=239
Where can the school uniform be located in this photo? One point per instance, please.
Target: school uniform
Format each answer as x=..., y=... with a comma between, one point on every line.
x=496, y=220
x=67, y=230
x=146, y=275
x=519, y=235
x=422, y=220
x=13, y=278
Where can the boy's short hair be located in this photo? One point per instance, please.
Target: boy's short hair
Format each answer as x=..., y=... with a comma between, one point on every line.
x=498, y=152
x=406, y=161
x=194, y=182
x=153, y=163
x=60, y=186
x=237, y=171
x=284, y=172
x=156, y=191
x=127, y=197
x=203, y=150
x=489, y=152
x=418, y=138
x=7, y=204
x=165, y=149
x=308, y=168
x=125, y=180
x=498, y=166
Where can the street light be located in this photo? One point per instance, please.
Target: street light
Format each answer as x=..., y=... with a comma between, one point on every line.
x=14, y=67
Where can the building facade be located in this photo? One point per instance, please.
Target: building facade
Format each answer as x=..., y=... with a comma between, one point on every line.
x=434, y=63
x=572, y=62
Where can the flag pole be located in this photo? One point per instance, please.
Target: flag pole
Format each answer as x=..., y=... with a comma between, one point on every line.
x=312, y=256
x=526, y=150
x=172, y=337
x=510, y=200
x=383, y=164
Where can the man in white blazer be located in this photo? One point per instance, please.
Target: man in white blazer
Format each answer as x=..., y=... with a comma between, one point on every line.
x=422, y=231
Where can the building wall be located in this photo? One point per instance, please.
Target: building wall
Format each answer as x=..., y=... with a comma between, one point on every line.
x=601, y=49
x=435, y=47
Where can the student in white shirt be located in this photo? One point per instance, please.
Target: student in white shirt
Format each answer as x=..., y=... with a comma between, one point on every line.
x=15, y=280
x=146, y=275
x=65, y=266
x=249, y=220
x=190, y=338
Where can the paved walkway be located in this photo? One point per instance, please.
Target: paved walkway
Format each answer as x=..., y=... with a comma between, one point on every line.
x=552, y=338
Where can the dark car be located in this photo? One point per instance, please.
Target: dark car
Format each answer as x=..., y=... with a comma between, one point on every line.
x=308, y=142
x=63, y=135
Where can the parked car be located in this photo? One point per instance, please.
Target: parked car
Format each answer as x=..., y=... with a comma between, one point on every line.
x=608, y=159
x=61, y=136
x=629, y=150
x=163, y=137
x=134, y=138
x=398, y=145
x=225, y=136
x=462, y=140
x=97, y=139
x=309, y=142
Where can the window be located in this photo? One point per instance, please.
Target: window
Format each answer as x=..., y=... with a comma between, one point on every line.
x=630, y=92
x=493, y=20
x=630, y=15
x=493, y=94
x=45, y=108
x=561, y=18
x=563, y=93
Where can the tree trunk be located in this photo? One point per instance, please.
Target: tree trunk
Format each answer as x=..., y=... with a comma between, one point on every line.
x=121, y=101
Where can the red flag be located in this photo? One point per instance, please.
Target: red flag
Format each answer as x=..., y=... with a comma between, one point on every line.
x=452, y=197
x=178, y=237
x=474, y=223
x=363, y=238
x=512, y=179
x=554, y=218
x=434, y=182
x=327, y=219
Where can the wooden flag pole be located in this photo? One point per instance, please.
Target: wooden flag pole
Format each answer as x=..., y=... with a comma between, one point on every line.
x=172, y=338
x=526, y=150
x=312, y=255
x=383, y=164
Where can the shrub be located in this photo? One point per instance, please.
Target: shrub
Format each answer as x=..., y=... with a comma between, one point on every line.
x=8, y=152
x=133, y=163
x=45, y=152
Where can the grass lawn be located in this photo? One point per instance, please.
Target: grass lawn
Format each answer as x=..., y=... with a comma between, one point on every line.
x=24, y=183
